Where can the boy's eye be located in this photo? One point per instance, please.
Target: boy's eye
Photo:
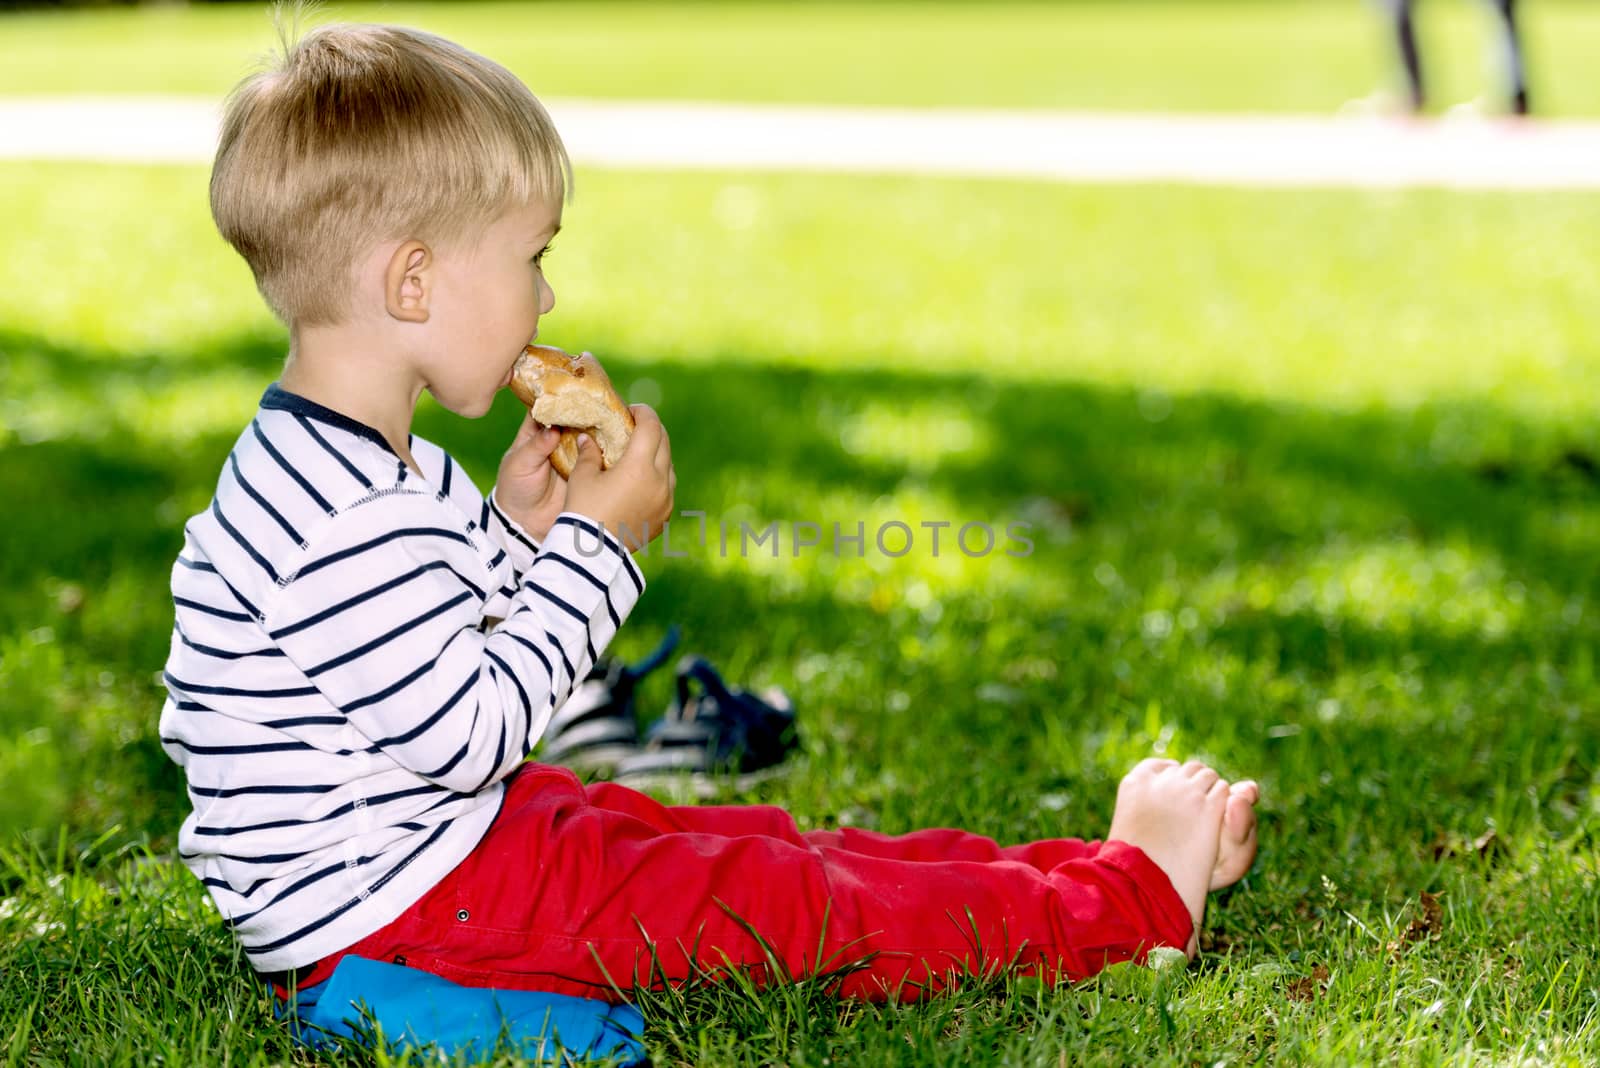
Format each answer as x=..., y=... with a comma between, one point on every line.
x=542, y=254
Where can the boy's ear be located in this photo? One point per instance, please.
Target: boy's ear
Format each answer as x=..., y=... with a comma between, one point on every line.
x=408, y=282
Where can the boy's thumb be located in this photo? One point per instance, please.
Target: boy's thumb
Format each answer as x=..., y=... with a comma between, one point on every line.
x=588, y=454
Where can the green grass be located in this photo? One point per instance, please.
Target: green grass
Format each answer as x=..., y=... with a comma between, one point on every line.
x=1181, y=55
x=1312, y=490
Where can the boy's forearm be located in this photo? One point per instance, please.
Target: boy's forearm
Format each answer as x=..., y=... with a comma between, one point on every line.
x=511, y=536
x=582, y=619
x=410, y=665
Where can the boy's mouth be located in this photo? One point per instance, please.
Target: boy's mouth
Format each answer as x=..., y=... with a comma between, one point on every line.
x=511, y=371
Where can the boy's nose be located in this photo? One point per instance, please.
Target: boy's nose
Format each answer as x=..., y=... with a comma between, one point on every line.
x=547, y=298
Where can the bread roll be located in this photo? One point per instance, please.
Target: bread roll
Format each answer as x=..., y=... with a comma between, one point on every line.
x=573, y=394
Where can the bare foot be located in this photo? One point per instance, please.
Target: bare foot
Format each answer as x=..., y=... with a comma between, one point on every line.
x=1237, y=848
x=1174, y=812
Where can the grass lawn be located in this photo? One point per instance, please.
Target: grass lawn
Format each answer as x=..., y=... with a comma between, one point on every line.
x=1311, y=480
x=1179, y=55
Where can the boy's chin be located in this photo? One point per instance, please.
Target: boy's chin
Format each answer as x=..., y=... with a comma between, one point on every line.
x=467, y=407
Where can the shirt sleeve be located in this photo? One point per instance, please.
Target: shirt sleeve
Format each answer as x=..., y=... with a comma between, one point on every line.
x=384, y=618
x=509, y=535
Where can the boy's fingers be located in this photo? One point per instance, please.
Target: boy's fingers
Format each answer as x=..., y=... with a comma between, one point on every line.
x=534, y=435
x=527, y=431
x=651, y=437
x=647, y=431
x=645, y=420
x=588, y=456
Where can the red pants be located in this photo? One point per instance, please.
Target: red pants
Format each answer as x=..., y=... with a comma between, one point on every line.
x=573, y=885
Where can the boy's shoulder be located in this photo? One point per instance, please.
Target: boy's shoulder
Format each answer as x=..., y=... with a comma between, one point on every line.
x=305, y=461
x=299, y=469
x=344, y=459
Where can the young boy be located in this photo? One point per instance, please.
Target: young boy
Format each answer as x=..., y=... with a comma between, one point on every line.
x=366, y=649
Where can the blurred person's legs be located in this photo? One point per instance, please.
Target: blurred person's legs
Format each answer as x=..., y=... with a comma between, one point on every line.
x=1512, y=57
x=1405, y=32
x=1403, y=19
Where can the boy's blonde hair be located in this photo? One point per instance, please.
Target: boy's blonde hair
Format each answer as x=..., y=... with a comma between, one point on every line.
x=359, y=134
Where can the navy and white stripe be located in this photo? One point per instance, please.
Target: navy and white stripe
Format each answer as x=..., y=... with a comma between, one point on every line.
x=341, y=708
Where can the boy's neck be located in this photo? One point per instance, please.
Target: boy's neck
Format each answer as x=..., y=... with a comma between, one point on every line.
x=325, y=365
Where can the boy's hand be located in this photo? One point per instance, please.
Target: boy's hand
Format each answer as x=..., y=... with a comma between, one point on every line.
x=633, y=499
x=528, y=488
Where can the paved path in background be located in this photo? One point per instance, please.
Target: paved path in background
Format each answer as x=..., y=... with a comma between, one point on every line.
x=1239, y=150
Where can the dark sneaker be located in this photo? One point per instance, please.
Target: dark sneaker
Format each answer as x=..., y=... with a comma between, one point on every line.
x=597, y=726
x=715, y=737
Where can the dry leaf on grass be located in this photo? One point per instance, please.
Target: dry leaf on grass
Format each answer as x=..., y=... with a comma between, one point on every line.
x=1308, y=987
x=69, y=599
x=1430, y=924
x=1487, y=846
x=1426, y=926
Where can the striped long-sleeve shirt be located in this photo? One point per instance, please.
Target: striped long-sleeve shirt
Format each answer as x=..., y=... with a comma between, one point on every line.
x=340, y=704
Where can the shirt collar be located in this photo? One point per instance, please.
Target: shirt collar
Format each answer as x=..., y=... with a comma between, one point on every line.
x=276, y=398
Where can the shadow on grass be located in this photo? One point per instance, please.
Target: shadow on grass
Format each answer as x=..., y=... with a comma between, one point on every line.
x=1186, y=494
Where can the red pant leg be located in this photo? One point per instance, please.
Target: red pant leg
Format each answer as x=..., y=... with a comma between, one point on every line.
x=571, y=889
x=944, y=844
x=939, y=844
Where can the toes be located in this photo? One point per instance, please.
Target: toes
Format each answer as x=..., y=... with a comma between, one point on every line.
x=1151, y=765
x=1247, y=789
x=1239, y=822
x=1213, y=810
